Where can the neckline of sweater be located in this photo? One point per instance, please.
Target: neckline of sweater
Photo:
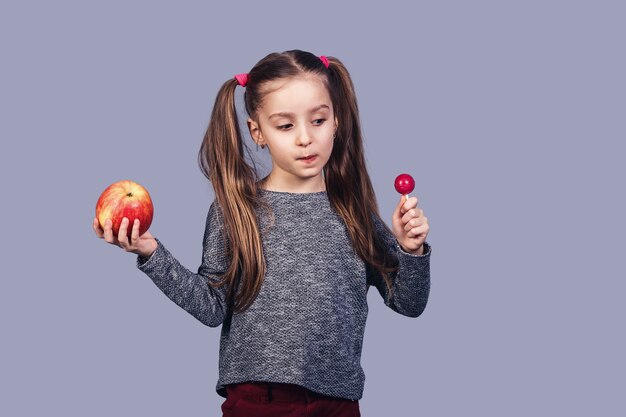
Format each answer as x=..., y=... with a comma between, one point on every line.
x=290, y=194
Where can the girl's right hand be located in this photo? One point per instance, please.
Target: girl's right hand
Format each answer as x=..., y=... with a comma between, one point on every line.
x=143, y=245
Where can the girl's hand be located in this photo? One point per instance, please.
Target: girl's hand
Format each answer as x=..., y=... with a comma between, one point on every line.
x=143, y=245
x=410, y=226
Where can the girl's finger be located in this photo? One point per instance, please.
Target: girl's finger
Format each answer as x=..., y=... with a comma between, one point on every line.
x=108, y=231
x=122, y=236
x=415, y=222
x=399, y=210
x=418, y=231
x=412, y=214
x=135, y=233
x=409, y=204
x=97, y=228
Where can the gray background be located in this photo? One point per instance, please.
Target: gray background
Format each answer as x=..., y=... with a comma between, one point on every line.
x=510, y=115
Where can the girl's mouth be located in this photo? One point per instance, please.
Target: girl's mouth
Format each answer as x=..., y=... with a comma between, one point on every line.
x=308, y=159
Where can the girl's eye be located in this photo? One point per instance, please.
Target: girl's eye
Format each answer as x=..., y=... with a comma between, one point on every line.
x=318, y=122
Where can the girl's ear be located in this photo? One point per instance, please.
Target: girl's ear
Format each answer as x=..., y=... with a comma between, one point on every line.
x=255, y=131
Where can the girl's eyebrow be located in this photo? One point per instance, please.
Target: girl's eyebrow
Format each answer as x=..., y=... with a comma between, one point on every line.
x=288, y=114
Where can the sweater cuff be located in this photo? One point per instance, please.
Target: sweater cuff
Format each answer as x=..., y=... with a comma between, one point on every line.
x=427, y=251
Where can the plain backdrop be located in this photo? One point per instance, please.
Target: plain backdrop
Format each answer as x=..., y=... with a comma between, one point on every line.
x=509, y=114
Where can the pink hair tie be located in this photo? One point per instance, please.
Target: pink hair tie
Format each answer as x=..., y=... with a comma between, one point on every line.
x=242, y=79
x=325, y=61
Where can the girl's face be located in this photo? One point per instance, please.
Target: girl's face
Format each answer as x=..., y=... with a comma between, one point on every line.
x=296, y=122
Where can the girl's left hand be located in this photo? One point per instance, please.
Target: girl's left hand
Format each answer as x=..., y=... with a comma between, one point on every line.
x=410, y=226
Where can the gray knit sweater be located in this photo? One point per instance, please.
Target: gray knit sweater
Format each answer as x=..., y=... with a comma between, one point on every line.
x=307, y=323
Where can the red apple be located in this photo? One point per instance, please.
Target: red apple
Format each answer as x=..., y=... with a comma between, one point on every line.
x=404, y=184
x=125, y=199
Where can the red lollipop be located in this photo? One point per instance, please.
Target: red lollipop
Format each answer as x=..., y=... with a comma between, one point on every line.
x=404, y=184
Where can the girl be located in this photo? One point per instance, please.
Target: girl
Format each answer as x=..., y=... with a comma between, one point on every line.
x=288, y=259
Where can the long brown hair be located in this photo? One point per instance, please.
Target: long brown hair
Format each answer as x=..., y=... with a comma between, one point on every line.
x=222, y=159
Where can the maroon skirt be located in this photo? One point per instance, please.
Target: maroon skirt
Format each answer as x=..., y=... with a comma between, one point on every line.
x=271, y=399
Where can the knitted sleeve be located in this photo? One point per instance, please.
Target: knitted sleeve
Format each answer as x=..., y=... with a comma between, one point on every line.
x=411, y=283
x=191, y=291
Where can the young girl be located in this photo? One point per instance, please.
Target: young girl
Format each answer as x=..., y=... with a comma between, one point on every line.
x=288, y=259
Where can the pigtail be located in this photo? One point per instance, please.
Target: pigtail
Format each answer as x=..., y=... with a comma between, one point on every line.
x=222, y=161
x=348, y=184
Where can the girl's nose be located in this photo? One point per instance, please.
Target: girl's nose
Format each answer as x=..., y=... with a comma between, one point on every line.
x=304, y=138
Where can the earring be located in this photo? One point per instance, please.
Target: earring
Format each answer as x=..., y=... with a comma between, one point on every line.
x=262, y=146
